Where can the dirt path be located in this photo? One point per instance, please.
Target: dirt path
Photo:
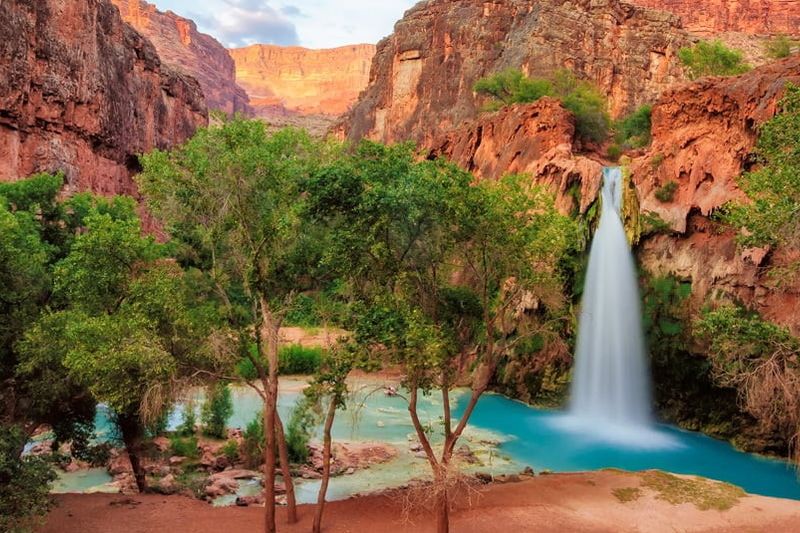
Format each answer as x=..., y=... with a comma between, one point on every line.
x=591, y=502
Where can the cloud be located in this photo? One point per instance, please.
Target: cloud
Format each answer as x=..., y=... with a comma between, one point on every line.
x=246, y=22
x=293, y=11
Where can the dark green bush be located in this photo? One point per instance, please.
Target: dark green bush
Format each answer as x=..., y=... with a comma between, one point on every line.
x=666, y=193
x=712, y=58
x=293, y=360
x=511, y=86
x=189, y=423
x=634, y=130
x=299, y=431
x=231, y=451
x=780, y=47
x=184, y=447
x=216, y=411
x=614, y=152
x=24, y=484
x=253, y=445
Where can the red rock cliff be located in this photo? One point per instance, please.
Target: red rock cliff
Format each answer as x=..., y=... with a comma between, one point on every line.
x=84, y=93
x=309, y=82
x=755, y=17
x=181, y=46
x=703, y=135
x=422, y=76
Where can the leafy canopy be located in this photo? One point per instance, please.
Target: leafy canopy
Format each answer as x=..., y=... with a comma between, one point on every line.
x=712, y=58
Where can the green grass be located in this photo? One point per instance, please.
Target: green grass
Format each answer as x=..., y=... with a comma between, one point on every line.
x=703, y=493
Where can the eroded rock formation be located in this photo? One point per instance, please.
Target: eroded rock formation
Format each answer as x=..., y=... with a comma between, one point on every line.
x=712, y=17
x=535, y=139
x=703, y=137
x=309, y=82
x=422, y=75
x=84, y=93
x=181, y=46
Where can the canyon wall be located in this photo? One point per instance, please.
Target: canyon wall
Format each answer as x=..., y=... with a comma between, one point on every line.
x=703, y=138
x=712, y=17
x=422, y=75
x=309, y=82
x=83, y=93
x=185, y=49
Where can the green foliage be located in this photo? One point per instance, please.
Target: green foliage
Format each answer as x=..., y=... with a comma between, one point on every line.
x=231, y=451
x=299, y=431
x=771, y=217
x=586, y=102
x=780, y=47
x=216, y=411
x=652, y=223
x=656, y=161
x=614, y=152
x=189, y=423
x=253, y=445
x=633, y=131
x=666, y=193
x=300, y=360
x=24, y=484
x=511, y=86
x=184, y=447
x=712, y=58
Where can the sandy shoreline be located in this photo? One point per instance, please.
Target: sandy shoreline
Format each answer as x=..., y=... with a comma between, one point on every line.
x=556, y=503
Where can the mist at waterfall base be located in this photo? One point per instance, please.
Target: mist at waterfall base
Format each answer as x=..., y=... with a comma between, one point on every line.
x=610, y=399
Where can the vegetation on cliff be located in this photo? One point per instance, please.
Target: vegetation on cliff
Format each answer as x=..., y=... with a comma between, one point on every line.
x=712, y=58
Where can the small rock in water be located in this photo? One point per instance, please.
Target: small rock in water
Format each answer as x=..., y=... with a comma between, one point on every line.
x=381, y=424
x=528, y=471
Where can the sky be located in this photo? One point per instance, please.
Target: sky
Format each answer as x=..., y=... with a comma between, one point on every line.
x=309, y=23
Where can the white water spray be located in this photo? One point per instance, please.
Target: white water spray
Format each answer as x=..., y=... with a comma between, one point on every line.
x=611, y=383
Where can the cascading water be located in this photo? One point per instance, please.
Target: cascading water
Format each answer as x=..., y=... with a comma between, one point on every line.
x=611, y=384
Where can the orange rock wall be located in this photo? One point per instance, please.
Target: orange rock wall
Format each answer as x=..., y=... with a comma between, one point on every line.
x=304, y=81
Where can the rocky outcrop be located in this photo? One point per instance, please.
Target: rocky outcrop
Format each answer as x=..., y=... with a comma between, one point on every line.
x=711, y=17
x=535, y=139
x=703, y=137
x=308, y=82
x=422, y=76
x=182, y=47
x=83, y=93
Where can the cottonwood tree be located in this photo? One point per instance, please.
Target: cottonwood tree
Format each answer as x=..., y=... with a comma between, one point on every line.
x=442, y=270
x=231, y=197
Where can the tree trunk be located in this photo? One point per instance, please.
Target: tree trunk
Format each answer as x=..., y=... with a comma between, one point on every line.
x=269, y=329
x=131, y=431
x=442, y=508
x=283, y=453
x=326, y=467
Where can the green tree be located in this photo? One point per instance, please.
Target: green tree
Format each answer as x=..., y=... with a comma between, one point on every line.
x=405, y=230
x=216, y=411
x=772, y=215
x=231, y=198
x=712, y=58
x=634, y=130
x=511, y=86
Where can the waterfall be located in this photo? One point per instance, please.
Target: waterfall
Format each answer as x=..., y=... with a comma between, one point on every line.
x=611, y=382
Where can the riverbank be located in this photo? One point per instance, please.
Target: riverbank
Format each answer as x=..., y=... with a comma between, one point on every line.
x=607, y=501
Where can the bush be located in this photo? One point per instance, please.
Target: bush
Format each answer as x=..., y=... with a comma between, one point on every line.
x=24, y=484
x=189, y=423
x=292, y=360
x=299, y=431
x=666, y=193
x=712, y=58
x=184, y=447
x=634, y=130
x=614, y=152
x=780, y=47
x=216, y=411
x=253, y=445
x=586, y=102
x=231, y=451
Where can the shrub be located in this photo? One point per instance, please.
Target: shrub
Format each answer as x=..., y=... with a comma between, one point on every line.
x=297, y=359
x=780, y=47
x=666, y=193
x=511, y=86
x=634, y=130
x=656, y=161
x=216, y=411
x=614, y=152
x=24, y=484
x=189, y=423
x=184, y=447
x=253, y=445
x=712, y=58
x=299, y=431
x=231, y=451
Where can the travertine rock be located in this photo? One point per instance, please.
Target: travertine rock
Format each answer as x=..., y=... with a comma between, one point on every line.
x=703, y=135
x=303, y=81
x=535, y=139
x=84, y=93
x=182, y=47
x=422, y=76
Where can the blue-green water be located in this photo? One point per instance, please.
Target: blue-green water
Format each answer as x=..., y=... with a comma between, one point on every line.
x=507, y=436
